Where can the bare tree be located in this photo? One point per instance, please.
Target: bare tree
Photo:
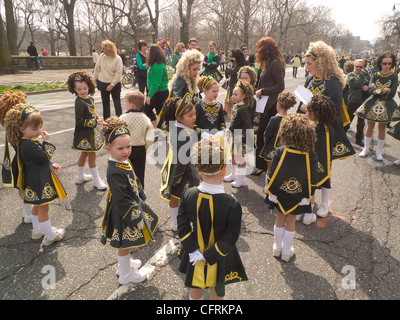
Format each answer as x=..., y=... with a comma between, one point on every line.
x=11, y=27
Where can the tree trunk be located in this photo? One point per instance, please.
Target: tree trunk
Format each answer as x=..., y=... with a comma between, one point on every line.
x=5, y=58
x=11, y=27
x=69, y=10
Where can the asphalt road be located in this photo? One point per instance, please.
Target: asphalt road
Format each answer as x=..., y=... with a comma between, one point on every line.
x=354, y=253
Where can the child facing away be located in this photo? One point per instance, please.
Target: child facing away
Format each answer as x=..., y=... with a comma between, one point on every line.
x=141, y=129
x=210, y=117
x=178, y=173
x=128, y=221
x=9, y=170
x=286, y=100
x=38, y=181
x=87, y=137
x=293, y=175
x=209, y=222
x=242, y=131
x=322, y=111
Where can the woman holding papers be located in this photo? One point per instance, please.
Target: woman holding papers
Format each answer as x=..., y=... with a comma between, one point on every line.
x=328, y=79
x=271, y=84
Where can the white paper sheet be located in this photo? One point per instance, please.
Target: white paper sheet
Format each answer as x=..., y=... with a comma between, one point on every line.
x=261, y=103
x=303, y=94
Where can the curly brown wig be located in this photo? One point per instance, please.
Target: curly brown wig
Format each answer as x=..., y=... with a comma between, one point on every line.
x=12, y=122
x=248, y=92
x=81, y=76
x=110, y=124
x=8, y=100
x=323, y=110
x=267, y=50
x=209, y=154
x=298, y=131
x=287, y=100
x=209, y=85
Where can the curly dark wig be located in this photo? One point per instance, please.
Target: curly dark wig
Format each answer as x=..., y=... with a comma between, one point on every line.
x=239, y=56
x=323, y=109
x=169, y=109
x=81, y=76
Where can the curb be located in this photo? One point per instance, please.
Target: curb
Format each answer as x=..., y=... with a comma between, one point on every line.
x=32, y=93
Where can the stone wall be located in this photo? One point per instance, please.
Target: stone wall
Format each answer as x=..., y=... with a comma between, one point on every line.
x=54, y=63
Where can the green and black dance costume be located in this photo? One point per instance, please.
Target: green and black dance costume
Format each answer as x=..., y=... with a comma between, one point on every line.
x=125, y=208
x=211, y=63
x=209, y=220
x=178, y=174
x=293, y=176
x=242, y=122
x=40, y=183
x=87, y=137
x=380, y=106
x=232, y=74
x=271, y=137
x=324, y=153
x=209, y=117
x=341, y=147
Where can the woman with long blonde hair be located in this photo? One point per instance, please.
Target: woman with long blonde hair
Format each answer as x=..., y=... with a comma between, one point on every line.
x=328, y=79
x=108, y=74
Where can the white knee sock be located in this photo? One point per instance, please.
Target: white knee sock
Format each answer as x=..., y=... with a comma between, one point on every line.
x=95, y=174
x=325, y=195
x=379, y=146
x=47, y=228
x=278, y=236
x=288, y=237
x=80, y=171
x=367, y=143
x=35, y=224
x=174, y=215
x=124, y=264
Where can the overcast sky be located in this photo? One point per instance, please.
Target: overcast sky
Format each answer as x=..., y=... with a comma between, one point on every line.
x=359, y=16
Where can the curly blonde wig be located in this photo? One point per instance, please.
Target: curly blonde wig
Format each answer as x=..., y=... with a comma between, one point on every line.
x=188, y=58
x=325, y=61
x=12, y=122
x=110, y=124
x=209, y=155
x=299, y=132
x=248, y=91
x=8, y=100
x=250, y=71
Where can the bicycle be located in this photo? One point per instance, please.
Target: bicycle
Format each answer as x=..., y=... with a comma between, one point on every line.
x=128, y=78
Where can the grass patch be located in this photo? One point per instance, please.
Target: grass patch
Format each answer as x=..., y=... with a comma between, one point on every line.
x=34, y=86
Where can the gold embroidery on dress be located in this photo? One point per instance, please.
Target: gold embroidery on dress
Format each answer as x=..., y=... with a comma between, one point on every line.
x=115, y=235
x=378, y=112
x=340, y=149
x=232, y=276
x=132, y=235
x=48, y=191
x=30, y=195
x=320, y=168
x=292, y=186
x=84, y=144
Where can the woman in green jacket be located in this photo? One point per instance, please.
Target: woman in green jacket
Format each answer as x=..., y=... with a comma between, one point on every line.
x=157, y=83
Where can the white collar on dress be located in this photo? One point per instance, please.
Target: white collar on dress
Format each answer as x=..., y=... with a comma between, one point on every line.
x=123, y=162
x=211, y=188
